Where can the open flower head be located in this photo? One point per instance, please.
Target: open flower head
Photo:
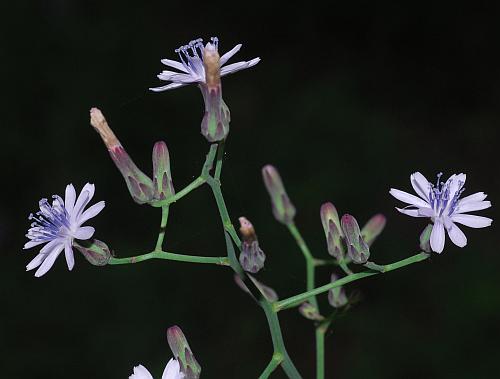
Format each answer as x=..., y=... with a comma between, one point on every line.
x=172, y=371
x=200, y=64
x=442, y=204
x=58, y=224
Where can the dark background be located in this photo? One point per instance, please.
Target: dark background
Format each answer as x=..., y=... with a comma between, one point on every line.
x=347, y=101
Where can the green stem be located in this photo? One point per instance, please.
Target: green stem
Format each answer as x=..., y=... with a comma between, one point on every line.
x=179, y=195
x=310, y=261
x=163, y=226
x=273, y=364
x=223, y=261
x=320, y=352
x=218, y=164
x=297, y=299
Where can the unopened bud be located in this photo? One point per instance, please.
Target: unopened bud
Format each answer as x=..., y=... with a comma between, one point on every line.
x=182, y=353
x=139, y=184
x=425, y=239
x=373, y=228
x=336, y=296
x=266, y=291
x=357, y=249
x=252, y=257
x=283, y=209
x=162, y=178
x=95, y=251
x=333, y=231
x=310, y=312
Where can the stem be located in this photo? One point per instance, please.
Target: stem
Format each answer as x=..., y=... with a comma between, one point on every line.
x=218, y=164
x=223, y=261
x=297, y=299
x=320, y=352
x=179, y=195
x=310, y=261
x=273, y=364
x=163, y=226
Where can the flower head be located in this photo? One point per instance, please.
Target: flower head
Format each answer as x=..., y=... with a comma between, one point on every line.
x=172, y=371
x=58, y=224
x=200, y=64
x=442, y=204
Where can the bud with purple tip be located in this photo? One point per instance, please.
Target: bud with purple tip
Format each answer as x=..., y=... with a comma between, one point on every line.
x=182, y=353
x=425, y=239
x=373, y=228
x=252, y=257
x=333, y=231
x=162, y=178
x=139, y=184
x=336, y=296
x=95, y=251
x=357, y=248
x=283, y=209
x=310, y=312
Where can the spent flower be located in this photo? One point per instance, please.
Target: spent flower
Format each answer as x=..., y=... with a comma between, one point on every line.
x=252, y=257
x=202, y=65
x=58, y=224
x=442, y=204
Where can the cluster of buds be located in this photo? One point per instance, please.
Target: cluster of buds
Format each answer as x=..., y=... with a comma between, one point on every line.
x=141, y=187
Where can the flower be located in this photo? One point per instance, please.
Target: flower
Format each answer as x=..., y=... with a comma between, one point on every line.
x=58, y=225
x=200, y=64
x=172, y=371
x=442, y=204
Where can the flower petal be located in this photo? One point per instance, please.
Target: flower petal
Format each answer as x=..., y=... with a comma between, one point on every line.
x=472, y=221
x=48, y=262
x=30, y=244
x=140, y=372
x=412, y=212
x=83, y=199
x=178, y=65
x=456, y=182
x=420, y=184
x=478, y=196
x=409, y=198
x=437, y=237
x=472, y=206
x=172, y=370
x=93, y=211
x=70, y=258
x=232, y=68
x=456, y=235
x=229, y=54
x=44, y=252
x=84, y=233
x=167, y=87
x=69, y=198
x=178, y=78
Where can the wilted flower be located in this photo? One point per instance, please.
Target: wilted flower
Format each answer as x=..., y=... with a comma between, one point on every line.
x=172, y=371
x=59, y=224
x=252, y=257
x=442, y=204
x=201, y=64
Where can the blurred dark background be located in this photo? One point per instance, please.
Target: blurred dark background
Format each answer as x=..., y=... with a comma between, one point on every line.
x=349, y=99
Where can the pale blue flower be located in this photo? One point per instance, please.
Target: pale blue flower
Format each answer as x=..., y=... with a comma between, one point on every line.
x=192, y=68
x=172, y=371
x=58, y=224
x=442, y=204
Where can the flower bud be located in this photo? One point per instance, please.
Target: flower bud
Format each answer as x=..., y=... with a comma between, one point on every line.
x=283, y=209
x=336, y=296
x=425, y=239
x=95, y=251
x=373, y=228
x=162, y=178
x=252, y=257
x=310, y=312
x=266, y=291
x=333, y=231
x=182, y=353
x=357, y=249
x=139, y=184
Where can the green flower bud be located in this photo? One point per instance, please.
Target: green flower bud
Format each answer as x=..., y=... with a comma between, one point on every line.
x=425, y=239
x=95, y=251
x=357, y=249
x=333, y=231
x=182, y=353
x=266, y=291
x=336, y=296
x=310, y=312
x=283, y=209
x=139, y=184
x=373, y=228
x=252, y=257
x=162, y=178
